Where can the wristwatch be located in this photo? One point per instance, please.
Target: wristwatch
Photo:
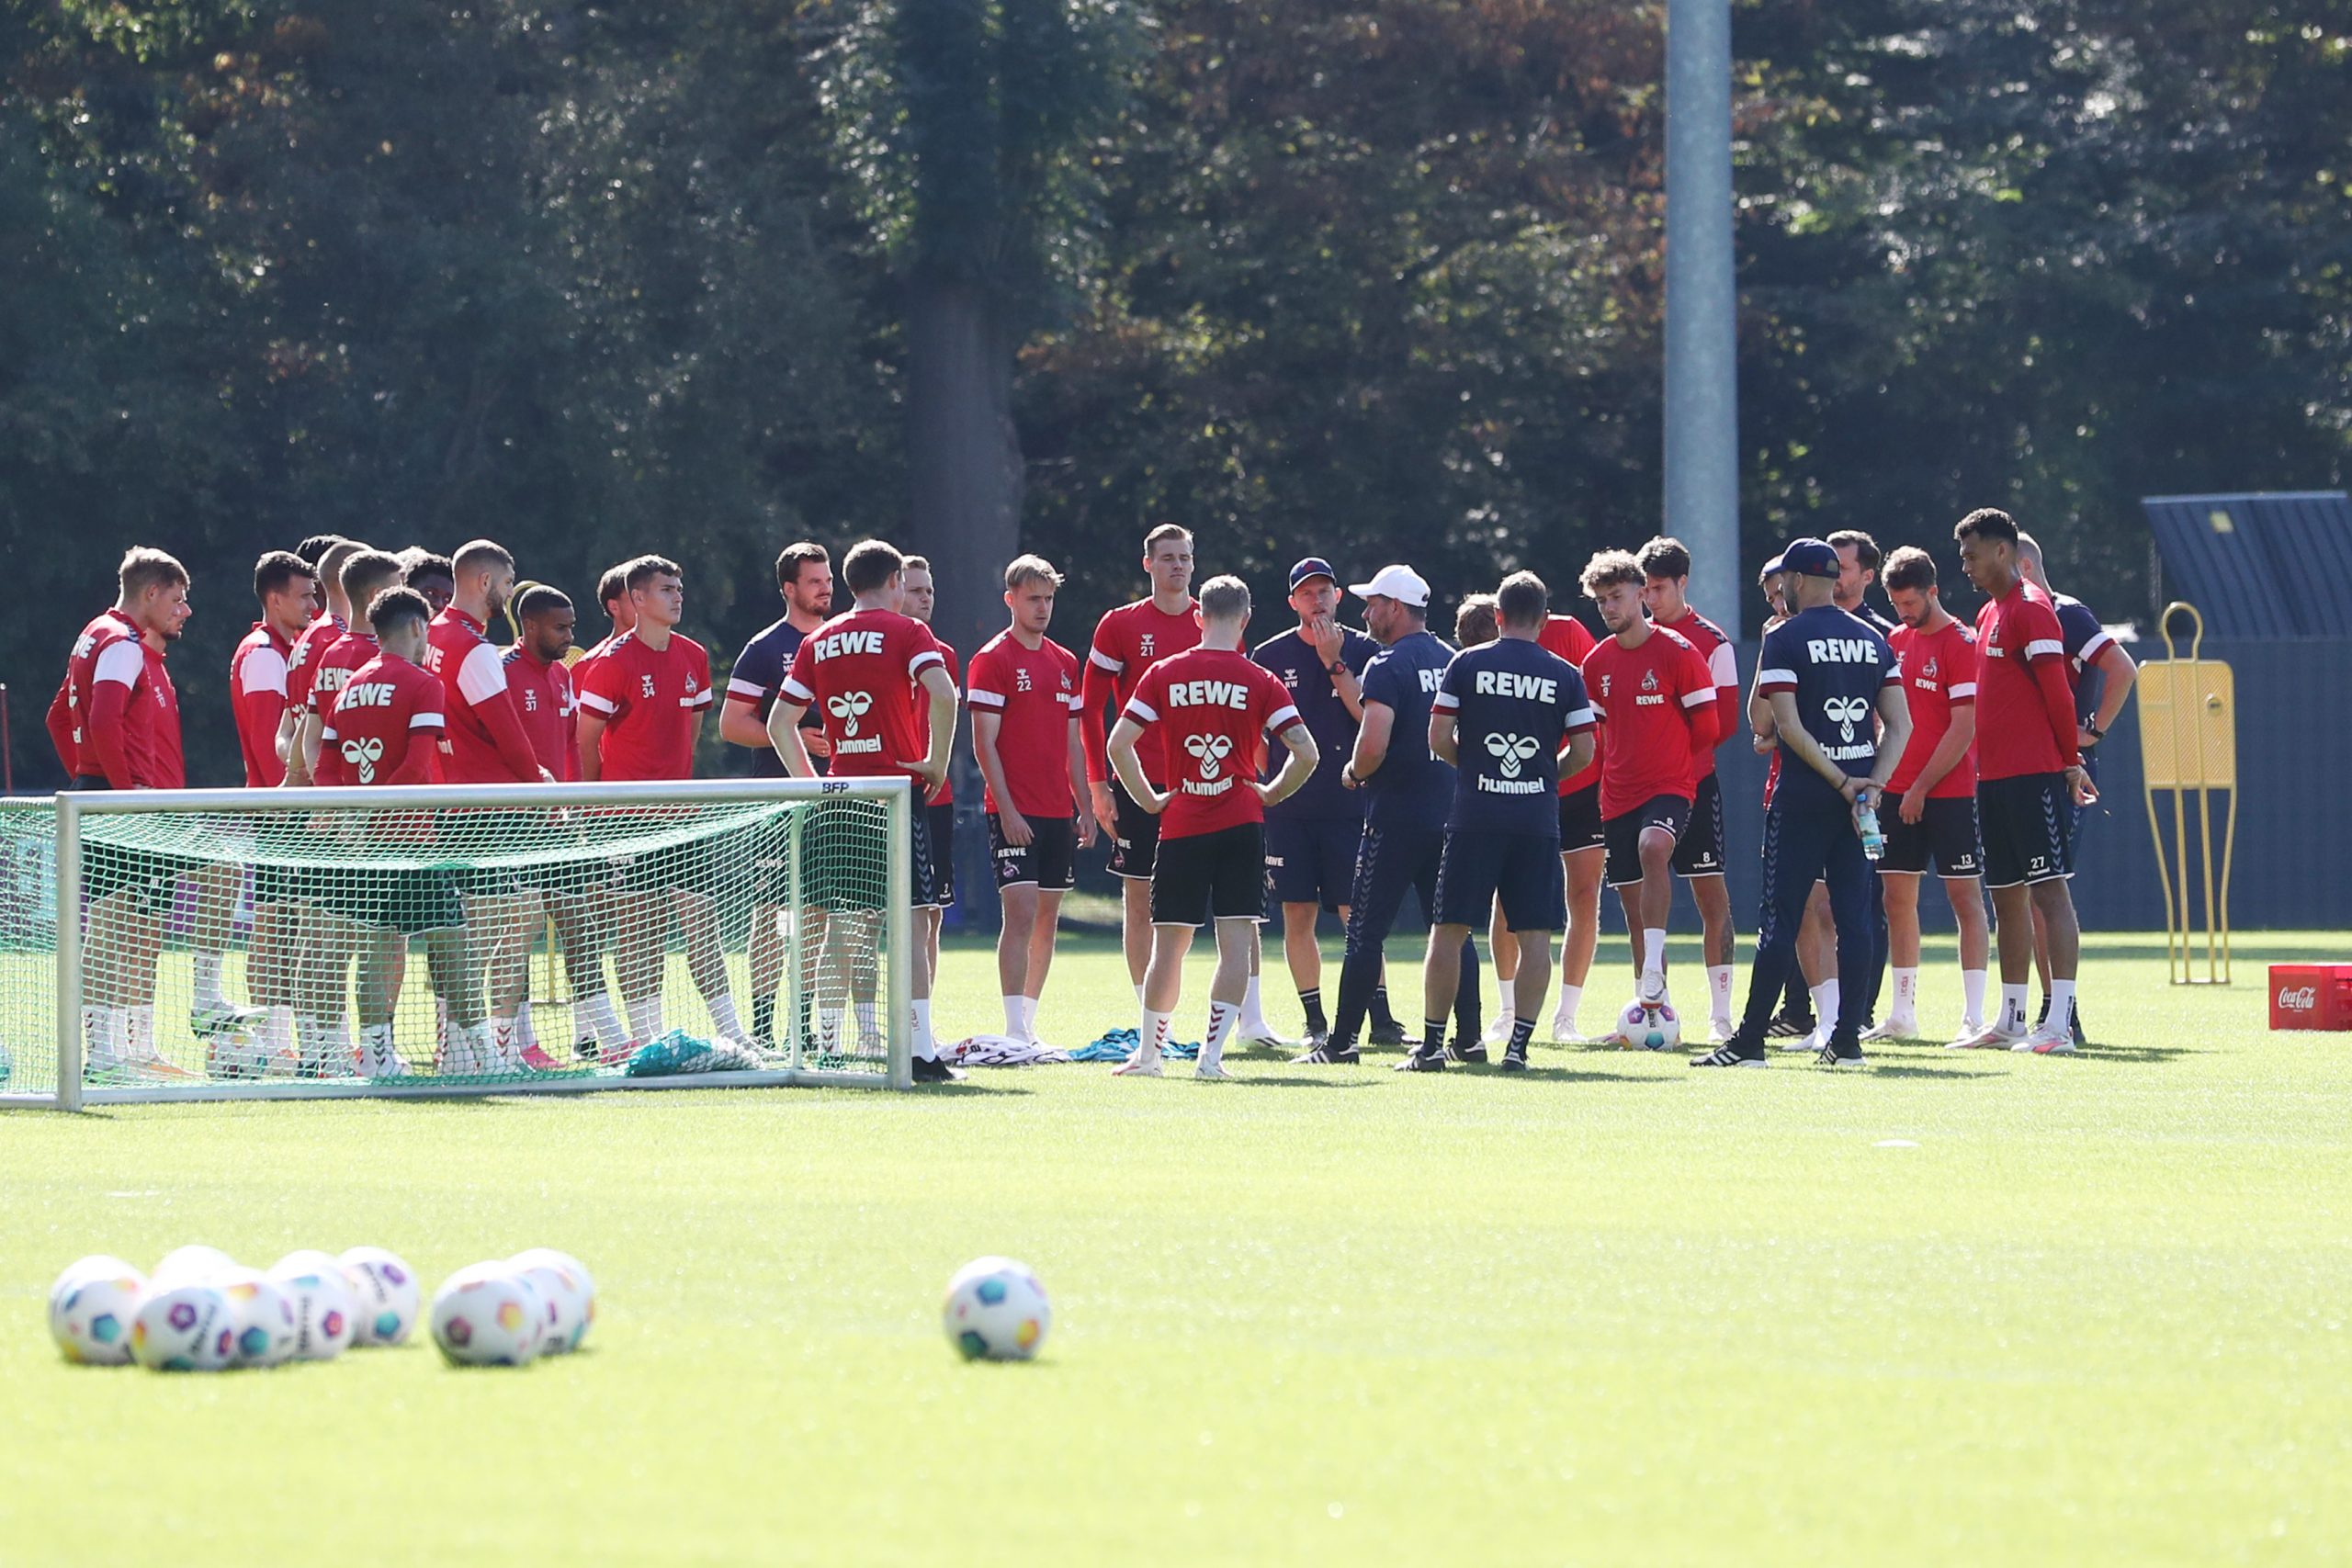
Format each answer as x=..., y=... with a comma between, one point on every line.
x=2094, y=731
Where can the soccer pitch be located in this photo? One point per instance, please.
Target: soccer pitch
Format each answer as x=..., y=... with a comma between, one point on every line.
x=1958, y=1309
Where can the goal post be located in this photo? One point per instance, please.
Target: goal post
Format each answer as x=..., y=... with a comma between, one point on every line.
x=300, y=943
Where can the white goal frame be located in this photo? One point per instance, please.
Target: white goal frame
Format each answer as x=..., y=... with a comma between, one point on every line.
x=896, y=794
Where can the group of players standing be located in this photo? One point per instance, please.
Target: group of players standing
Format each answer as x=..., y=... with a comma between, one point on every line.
x=1502, y=784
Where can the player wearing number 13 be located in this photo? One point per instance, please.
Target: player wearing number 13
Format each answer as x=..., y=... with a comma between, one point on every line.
x=1824, y=673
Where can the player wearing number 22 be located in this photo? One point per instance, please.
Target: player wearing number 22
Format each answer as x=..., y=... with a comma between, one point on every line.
x=1824, y=673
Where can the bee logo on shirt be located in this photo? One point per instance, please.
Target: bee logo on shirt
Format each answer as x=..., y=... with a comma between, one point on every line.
x=363, y=755
x=849, y=708
x=1511, y=751
x=1021, y=680
x=645, y=686
x=1604, y=685
x=1210, y=751
x=530, y=699
x=1144, y=642
x=1845, y=713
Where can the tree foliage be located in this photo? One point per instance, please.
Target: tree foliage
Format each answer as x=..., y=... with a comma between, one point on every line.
x=1376, y=281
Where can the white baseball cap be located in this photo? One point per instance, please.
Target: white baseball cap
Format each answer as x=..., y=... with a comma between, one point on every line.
x=1401, y=583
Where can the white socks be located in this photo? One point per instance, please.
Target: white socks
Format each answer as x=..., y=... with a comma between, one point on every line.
x=278, y=1031
x=1221, y=1017
x=1907, y=997
x=208, y=982
x=926, y=1049
x=1825, y=1013
x=2012, y=1009
x=1972, y=984
x=524, y=1034
x=1253, y=1022
x=1719, y=994
x=1564, y=1016
x=1020, y=1018
x=138, y=1041
x=375, y=1039
x=723, y=1020
x=2061, y=1005
x=645, y=1020
x=102, y=1030
x=603, y=1024
x=1653, y=950
x=867, y=1024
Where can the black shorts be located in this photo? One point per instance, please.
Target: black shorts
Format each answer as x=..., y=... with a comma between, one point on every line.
x=1312, y=860
x=1699, y=850
x=1048, y=861
x=276, y=885
x=1946, y=830
x=941, y=825
x=2027, y=822
x=404, y=901
x=1134, y=836
x=1219, y=876
x=1624, y=832
x=1581, y=821
x=151, y=877
x=1520, y=870
x=845, y=874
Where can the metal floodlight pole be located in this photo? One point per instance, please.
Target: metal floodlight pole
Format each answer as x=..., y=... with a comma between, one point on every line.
x=1702, y=304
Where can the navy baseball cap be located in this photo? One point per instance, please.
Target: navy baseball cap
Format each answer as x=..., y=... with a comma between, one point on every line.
x=1313, y=566
x=1810, y=557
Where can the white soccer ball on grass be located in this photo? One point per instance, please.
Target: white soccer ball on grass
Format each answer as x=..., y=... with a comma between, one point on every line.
x=567, y=1297
x=996, y=1311
x=91, y=1307
x=1649, y=1026
x=388, y=1293
x=324, y=1311
x=184, y=1328
x=263, y=1317
x=194, y=1265
x=488, y=1315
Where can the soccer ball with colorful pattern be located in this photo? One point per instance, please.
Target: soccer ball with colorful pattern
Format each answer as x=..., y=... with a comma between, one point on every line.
x=386, y=1294
x=1648, y=1026
x=184, y=1328
x=488, y=1315
x=91, y=1307
x=996, y=1311
x=262, y=1315
x=567, y=1297
x=324, y=1312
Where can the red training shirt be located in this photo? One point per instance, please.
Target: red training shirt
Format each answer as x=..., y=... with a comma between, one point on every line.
x=331, y=669
x=1722, y=665
x=857, y=672
x=2025, y=705
x=651, y=701
x=117, y=715
x=1128, y=641
x=1657, y=702
x=483, y=740
x=1206, y=707
x=1569, y=639
x=550, y=709
x=384, y=727
x=1035, y=693
x=1938, y=671
x=257, y=696
x=946, y=795
x=302, y=663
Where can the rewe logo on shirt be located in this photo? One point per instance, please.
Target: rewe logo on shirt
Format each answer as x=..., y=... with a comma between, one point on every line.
x=1430, y=680
x=848, y=642
x=1208, y=694
x=1841, y=650
x=1510, y=683
x=368, y=694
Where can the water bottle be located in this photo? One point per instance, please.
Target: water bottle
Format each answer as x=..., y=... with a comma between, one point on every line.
x=1866, y=824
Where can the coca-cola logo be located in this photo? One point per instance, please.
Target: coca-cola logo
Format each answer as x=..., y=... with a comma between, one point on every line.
x=2302, y=1000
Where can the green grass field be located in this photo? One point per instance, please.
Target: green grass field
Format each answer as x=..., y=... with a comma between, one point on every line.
x=1955, y=1309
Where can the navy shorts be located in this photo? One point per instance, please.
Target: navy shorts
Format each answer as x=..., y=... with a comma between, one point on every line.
x=1581, y=821
x=941, y=823
x=1624, y=832
x=2027, y=822
x=1520, y=870
x=1946, y=832
x=1699, y=850
x=1134, y=836
x=1312, y=860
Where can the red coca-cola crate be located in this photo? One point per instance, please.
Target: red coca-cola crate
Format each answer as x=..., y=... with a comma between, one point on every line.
x=2311, y=996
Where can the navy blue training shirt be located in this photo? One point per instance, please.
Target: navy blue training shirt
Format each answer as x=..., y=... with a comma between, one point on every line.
x=1411, y=787
x=2086, y=640
x=757, y=677
x=1513, y=704
x=1834, y=664
x=1298, y=665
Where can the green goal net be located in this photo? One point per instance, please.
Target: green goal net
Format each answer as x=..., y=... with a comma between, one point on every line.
x=279, y=944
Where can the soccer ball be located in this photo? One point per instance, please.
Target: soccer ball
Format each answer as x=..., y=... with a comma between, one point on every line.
x=388, y=1294
x=191, y=1266
x=262, y=1313
x=537, y=1255
x=996, y=1311
x=241, y=1051
x=91, y=1308
x=488, y=1315
x=324, y=1311
x=564, y=1300
x=184, y=1328
x=1649, y=1026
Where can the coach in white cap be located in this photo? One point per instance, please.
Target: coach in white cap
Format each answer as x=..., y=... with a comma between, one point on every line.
x=1407, y=794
